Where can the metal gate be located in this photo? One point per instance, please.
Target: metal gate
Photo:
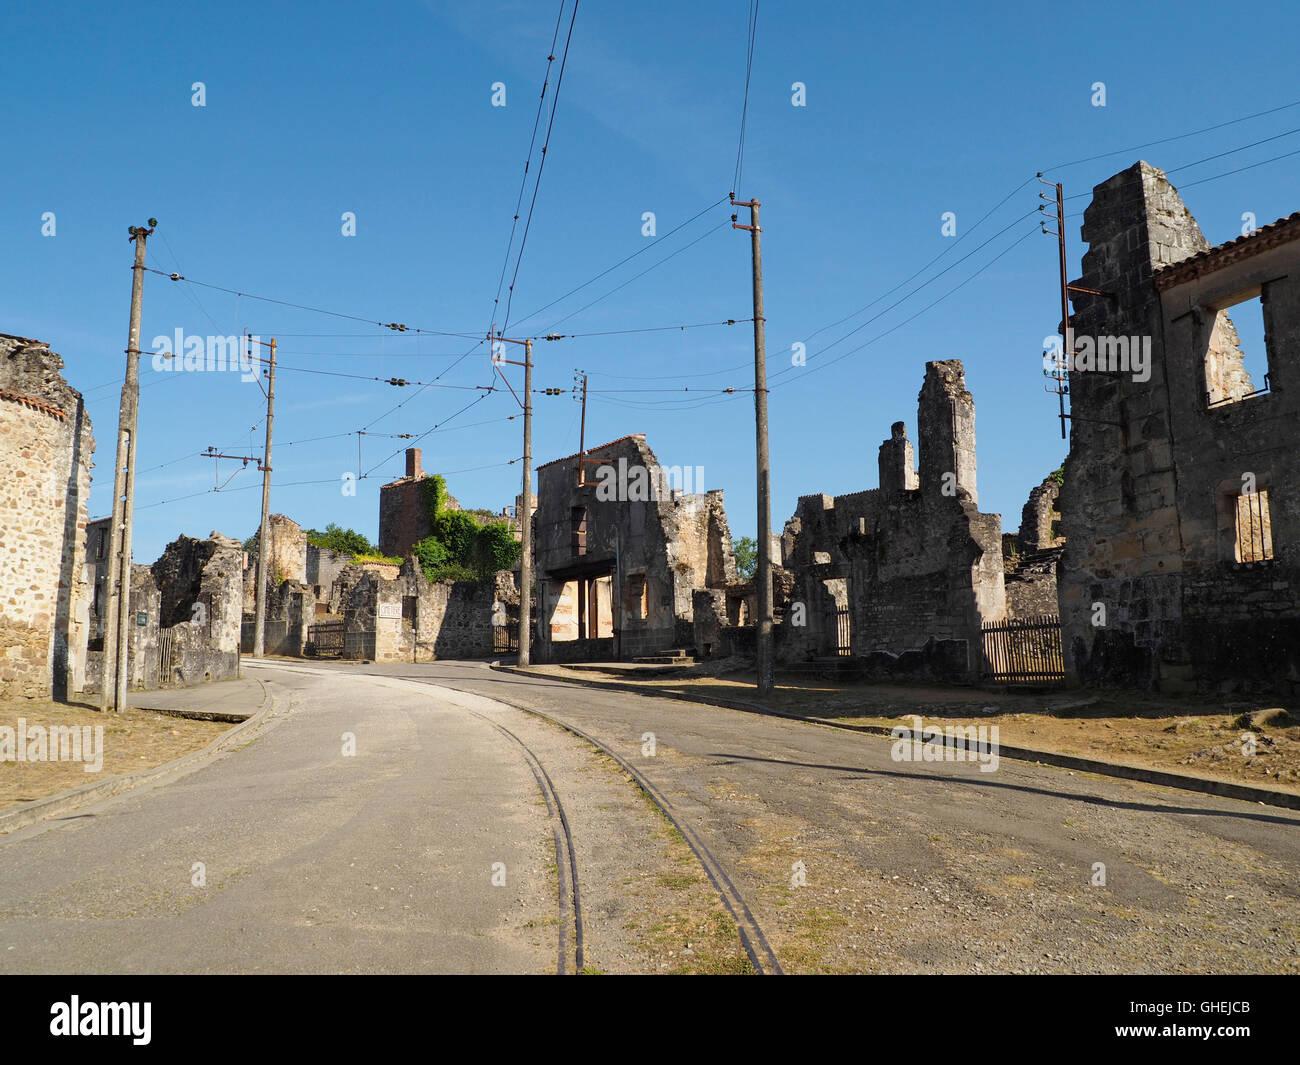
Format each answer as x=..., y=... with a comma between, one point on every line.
x=1023, y=651
x=325, y=640
x=166, y=655
x=843, y=634
x=505, y=638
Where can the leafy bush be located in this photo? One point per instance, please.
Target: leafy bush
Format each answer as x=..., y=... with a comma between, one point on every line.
x=457, y=531
x=341, y=541
x=495, y=549
x=1058, y=475
x=431, y=554
x=459, y=548
x=375, y=556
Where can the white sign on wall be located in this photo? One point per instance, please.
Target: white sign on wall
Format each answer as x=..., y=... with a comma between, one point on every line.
x=390, y=610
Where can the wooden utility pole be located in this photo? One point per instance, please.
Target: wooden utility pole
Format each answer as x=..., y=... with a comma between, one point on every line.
x=264, y=540
x=763, y=576
x=118, y=580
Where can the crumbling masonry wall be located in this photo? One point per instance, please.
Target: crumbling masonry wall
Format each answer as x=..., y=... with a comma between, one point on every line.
x=637, y=555
x=1157, y=588
x=915, y=563
x=409, y=619
x=46, y=448
x=190, y=602
x=1033, y=555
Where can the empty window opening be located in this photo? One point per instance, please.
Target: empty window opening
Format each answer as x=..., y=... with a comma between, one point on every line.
x=564, y=618
x=1236, y=360
x=578, y=518
x=1254, y=542
x=638, y=597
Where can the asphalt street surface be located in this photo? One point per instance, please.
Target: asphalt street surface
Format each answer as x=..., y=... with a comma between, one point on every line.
x=436, y=847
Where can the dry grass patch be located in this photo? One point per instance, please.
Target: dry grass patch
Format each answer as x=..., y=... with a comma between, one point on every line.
x=132, y=740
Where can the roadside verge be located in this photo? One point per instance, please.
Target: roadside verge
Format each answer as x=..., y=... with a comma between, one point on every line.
x=1186, y=782
x=38, y=810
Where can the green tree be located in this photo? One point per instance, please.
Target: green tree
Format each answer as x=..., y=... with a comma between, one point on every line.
x=339, y=540
x=746, y=551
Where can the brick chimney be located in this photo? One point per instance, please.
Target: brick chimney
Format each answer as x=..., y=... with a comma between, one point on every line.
x=413, y=462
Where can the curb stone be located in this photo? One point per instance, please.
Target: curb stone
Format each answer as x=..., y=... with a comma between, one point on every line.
x=38, y=810
x=1222, y=788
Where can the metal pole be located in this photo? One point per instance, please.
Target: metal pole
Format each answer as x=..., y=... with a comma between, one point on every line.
x=526, y=517
x=114, y=680
x=263, y=540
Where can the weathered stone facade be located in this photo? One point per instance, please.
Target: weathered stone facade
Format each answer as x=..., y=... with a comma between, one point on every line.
x=901, y=576
x=409, y=619
x=618, y=566
x=1033, y=554
x=1182, y=504
x=404, y=513
x=190, y=602
x=46, y=448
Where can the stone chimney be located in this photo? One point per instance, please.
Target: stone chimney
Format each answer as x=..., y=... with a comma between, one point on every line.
x=897, y=472
x=946, y=426
x=413, y=463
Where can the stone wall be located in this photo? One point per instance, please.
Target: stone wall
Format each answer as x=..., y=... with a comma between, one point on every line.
x=1156, y=589
x=409, y=619
x=46, y=448
x=1040, y=519
x=287, y=549
x=190, y=602
x=652, y=545
x=914, y=562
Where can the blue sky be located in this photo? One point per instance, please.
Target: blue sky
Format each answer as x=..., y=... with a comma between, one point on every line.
x=912, y=110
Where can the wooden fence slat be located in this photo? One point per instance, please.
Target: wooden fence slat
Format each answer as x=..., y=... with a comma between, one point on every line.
x=1023, y=650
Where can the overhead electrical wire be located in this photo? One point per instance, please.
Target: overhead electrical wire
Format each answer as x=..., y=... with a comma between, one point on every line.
x=541, y=166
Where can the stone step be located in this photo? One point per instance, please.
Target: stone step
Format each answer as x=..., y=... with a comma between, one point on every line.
x=666, y=660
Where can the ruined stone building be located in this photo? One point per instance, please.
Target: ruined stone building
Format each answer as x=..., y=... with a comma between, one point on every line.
x=185, y=612
x=621, y=551
x=405, y=513
x=46, y=448
x=323, y=603
x=1033, y=554
x=1181, y=512
x=901, y=576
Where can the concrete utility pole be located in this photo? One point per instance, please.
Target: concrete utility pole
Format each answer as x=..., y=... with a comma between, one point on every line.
x=263, y=540
x=763, y=576
x=526, y=504
x=526, y=522
x=118, y=580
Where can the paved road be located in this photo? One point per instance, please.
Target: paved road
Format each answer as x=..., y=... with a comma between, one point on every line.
x=847, y=860
x=938, y=866
x=313, y=860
